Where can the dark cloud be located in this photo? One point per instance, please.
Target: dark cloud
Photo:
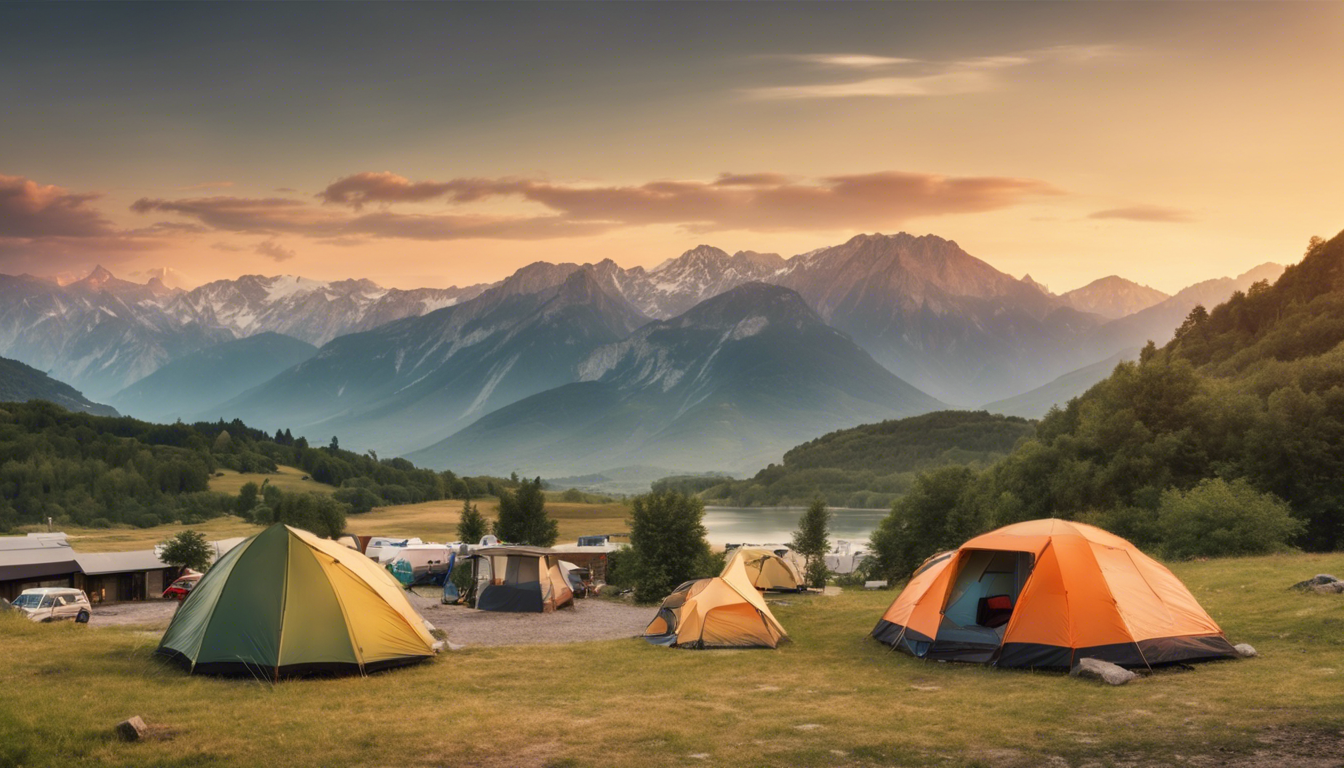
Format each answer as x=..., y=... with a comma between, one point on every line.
x=751, y=179
x=274, y=250
x=28, y=209
x=1154, y=213
x=228, y=247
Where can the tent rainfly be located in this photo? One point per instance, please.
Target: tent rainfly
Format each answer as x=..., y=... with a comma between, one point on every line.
x=722, y=612
x=286, y=603
x=1047, y=593
x=519, y=580
x=768, y=571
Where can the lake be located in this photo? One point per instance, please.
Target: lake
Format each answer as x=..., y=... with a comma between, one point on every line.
x=775, y=525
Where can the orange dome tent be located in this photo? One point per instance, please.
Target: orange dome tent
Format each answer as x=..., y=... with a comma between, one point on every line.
x=1046, y=593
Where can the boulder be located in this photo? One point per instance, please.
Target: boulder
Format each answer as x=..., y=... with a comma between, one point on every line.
x=1245, y=651
x=1320, y=579
x=1104, y=671
x=133, y=729
x=1329, y=588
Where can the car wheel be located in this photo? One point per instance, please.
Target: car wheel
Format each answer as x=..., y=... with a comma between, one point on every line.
x=82, y=617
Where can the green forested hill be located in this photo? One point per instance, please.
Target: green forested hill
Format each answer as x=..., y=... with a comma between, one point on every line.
x=1194, y=449
x=20, y=383
x=97, y=471
x=869, y=465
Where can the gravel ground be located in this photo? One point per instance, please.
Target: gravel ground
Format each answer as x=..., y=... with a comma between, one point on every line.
x=146, y=612
x=588, y=620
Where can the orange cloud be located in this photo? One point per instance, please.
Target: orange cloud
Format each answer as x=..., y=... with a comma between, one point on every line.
x=29, y=209
x=1155, y=213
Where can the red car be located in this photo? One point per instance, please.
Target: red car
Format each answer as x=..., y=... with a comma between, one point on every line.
x=179, y=589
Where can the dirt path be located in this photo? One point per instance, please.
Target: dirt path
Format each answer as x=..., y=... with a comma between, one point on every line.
x=587, y=620
x=140, y=612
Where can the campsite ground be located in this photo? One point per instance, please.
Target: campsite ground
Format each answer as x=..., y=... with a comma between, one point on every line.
x=832, y=697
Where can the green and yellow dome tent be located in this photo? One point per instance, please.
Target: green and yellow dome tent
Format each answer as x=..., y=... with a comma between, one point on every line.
x=287, y=603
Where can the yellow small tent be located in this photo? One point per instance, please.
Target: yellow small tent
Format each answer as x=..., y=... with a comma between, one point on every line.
x=286, y=603
x=766, y=570
x=723, y=612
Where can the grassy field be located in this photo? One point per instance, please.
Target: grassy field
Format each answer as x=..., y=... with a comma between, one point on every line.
x=288, y=479
x=830, y=698
x=437, y=520
x=431, y=521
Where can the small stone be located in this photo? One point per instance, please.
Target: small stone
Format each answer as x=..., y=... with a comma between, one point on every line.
x=133, y=729
x=1102, y=670
x=807, y=726
x=699, y=756
x=1245, y=651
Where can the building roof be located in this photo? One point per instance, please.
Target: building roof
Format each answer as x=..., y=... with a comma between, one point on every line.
x=95, y=564
x=35, y=563
x=511, y=550
x=33, y=541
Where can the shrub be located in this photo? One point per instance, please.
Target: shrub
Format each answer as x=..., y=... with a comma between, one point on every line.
x=1220, y=519
x=667, y=534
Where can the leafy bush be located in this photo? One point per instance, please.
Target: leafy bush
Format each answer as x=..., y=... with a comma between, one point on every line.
x=667, y=539
x=1220, y=519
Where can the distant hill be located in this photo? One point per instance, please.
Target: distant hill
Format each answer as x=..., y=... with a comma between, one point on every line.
x=1035, y=404
x=1113, y=297
x=189, y=385
x=20, y=383
x=870, y=465
x=727, y=386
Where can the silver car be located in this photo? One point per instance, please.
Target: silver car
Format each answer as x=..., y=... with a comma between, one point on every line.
x=55, y=603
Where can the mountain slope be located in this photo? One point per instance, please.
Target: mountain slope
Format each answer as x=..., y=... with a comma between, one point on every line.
x=729, y=385
x=414, y=381
x=940, y=318
x=192, y=383
x=20, y=383
x=1113, y=297
x=1037, y=402
x=870, y=465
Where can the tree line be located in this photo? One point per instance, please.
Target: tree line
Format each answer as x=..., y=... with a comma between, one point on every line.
x=1229, y=440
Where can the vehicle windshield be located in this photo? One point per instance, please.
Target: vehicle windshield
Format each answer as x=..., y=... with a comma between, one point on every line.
x=27, y=601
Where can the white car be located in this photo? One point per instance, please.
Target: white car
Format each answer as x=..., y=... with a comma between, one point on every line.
x=55, y=603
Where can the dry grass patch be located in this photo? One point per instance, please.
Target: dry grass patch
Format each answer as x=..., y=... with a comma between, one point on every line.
x=842, y=699
x=437, y=520
x=124, y=538
x=287, y=479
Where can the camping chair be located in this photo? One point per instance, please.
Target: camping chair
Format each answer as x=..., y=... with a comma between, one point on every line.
x=994, y=611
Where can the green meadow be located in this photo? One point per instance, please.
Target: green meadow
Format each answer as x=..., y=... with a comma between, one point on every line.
x=832, y=697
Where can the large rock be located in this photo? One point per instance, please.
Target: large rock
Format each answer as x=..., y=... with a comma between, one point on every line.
x=1320, y=579
x=1104, y=671
x=1329, y=588
x=1245, y=651
x=133, y=729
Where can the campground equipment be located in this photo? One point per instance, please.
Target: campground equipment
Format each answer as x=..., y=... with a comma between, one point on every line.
x=383, y=550
x=576, y=577
x=54, y=603
x=518, y=580
x=725, y=611
x=1047, y=593
x=417, y=564
x=767, y=570
x=286, y=603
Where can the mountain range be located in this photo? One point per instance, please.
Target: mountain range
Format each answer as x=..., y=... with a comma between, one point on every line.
x=462, y=377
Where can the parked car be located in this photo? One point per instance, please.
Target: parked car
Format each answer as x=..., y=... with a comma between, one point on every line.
x=55, y=603
x=182, y=587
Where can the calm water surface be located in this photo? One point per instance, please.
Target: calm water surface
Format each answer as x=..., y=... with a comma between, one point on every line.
x=774, y=525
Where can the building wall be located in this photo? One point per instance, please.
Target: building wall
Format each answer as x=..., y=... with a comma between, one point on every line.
x=12, y=589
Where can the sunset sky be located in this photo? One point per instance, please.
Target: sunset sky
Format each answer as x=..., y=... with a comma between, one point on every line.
x=432, y=145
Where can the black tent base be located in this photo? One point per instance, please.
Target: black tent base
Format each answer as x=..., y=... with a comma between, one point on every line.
x=242, y=669
x=1155, y=652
